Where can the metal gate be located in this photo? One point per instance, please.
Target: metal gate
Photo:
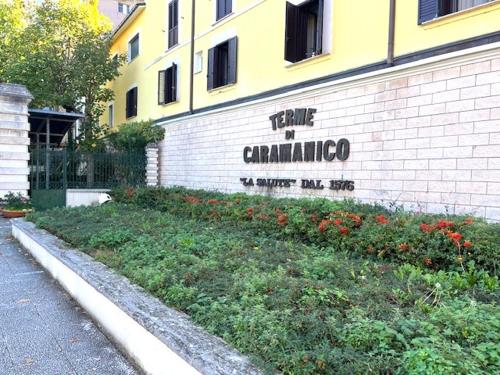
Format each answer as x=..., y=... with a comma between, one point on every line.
x=55, y=171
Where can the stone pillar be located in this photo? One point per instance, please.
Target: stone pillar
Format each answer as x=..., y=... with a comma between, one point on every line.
x=14, y=139
x=152, y=165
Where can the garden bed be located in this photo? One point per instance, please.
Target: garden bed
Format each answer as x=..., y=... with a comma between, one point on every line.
x=307, y=287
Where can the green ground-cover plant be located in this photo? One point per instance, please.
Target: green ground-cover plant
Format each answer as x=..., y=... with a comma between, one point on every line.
x=445, y=242
x=293, y=306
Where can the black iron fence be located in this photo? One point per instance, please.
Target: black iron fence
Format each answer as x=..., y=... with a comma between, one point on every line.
x=63, y=169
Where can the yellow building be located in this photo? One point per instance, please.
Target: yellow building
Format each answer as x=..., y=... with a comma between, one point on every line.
x=262, y=47
x=388, y=101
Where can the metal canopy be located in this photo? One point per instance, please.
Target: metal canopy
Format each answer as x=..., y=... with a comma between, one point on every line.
x=48, y=128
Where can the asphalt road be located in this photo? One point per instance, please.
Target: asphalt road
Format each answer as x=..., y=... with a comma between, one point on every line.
x=42, y=330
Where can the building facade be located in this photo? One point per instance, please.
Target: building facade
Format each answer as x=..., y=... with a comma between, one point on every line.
x=388, y=101
x=116, y=10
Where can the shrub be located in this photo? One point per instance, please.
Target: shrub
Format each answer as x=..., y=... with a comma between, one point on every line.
x=434, y=241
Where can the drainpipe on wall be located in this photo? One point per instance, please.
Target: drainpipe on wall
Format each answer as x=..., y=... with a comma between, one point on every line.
x=191, y=82
x=392, y=29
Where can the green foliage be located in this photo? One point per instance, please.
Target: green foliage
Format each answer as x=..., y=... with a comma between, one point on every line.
x=59, y=49
x=434, y=241
x=16, y=202
x=135, y=135
x=297, y=307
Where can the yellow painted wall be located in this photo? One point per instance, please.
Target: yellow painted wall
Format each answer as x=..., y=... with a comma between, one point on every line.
x=359, y=37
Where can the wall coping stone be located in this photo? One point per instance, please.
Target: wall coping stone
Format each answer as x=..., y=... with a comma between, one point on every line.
x=19, y=92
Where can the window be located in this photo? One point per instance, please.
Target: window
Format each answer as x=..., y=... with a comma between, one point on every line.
x=453, y=6
x=304, y=30
x=111, y=114
x=173, y=23
x=123, y=8
x=222, y=63
x=198, y=62
x=224, y=7
x=131, y=105
x=167, y=85
x=133, y=48
x=430, y=9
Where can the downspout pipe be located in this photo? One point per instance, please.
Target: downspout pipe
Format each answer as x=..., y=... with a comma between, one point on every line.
x=392, y=32
x=191, y=76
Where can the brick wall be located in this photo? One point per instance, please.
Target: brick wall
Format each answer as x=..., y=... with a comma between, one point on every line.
x=426, y=137
x=14, y=139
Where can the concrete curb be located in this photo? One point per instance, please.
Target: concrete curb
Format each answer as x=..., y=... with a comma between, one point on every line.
x=159, y=340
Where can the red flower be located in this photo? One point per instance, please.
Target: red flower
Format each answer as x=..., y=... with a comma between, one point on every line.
x=192, y=199
x=250, y=212
x=404, y=246
x=355, y=218
x=282, y=219
x=263, y=217
x=455, y=236
x=427, y=261
x=338, y=221
x=445, y=224
x=467, y=244
x=213, y=201
x=344, y=231
x=323, y=225
x=426, y=228
x=469, y=221
x=381, y=219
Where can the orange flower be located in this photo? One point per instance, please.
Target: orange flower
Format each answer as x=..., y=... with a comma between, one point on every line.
x=469, y=221
x=344, y=231
x=467, y=244
x=338, y=221
x=250, y=212
x=282, y=219
x=427, y=261
x=404, y=246
x=213, y=201
x=381, y=219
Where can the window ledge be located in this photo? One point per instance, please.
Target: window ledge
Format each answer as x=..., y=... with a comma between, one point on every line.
x=313, y=59
x=168, y=104
x=221, y=89
x=222, y=19
x=173, y=48
x=131, y=61
x=469, y=12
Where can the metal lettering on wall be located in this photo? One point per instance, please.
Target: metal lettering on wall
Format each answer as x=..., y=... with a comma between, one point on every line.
x=311, y=151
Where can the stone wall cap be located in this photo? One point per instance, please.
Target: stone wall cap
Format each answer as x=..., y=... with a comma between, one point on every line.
x=15, y=90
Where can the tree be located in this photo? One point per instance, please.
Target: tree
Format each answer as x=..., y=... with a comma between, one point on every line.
x=62, y=54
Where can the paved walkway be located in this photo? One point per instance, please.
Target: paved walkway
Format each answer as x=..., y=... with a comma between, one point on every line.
x=42, y=330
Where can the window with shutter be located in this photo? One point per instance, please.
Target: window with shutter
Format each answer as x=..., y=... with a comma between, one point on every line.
x=131, y=103
x=304, y=30
x=167, y=85
x=430, y=9
x=133, y=48
x=224, y=7
x=222, y=64
x=111, y=114
x=173, y=23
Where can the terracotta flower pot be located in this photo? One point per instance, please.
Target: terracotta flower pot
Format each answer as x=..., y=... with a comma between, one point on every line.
x=8, y=214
